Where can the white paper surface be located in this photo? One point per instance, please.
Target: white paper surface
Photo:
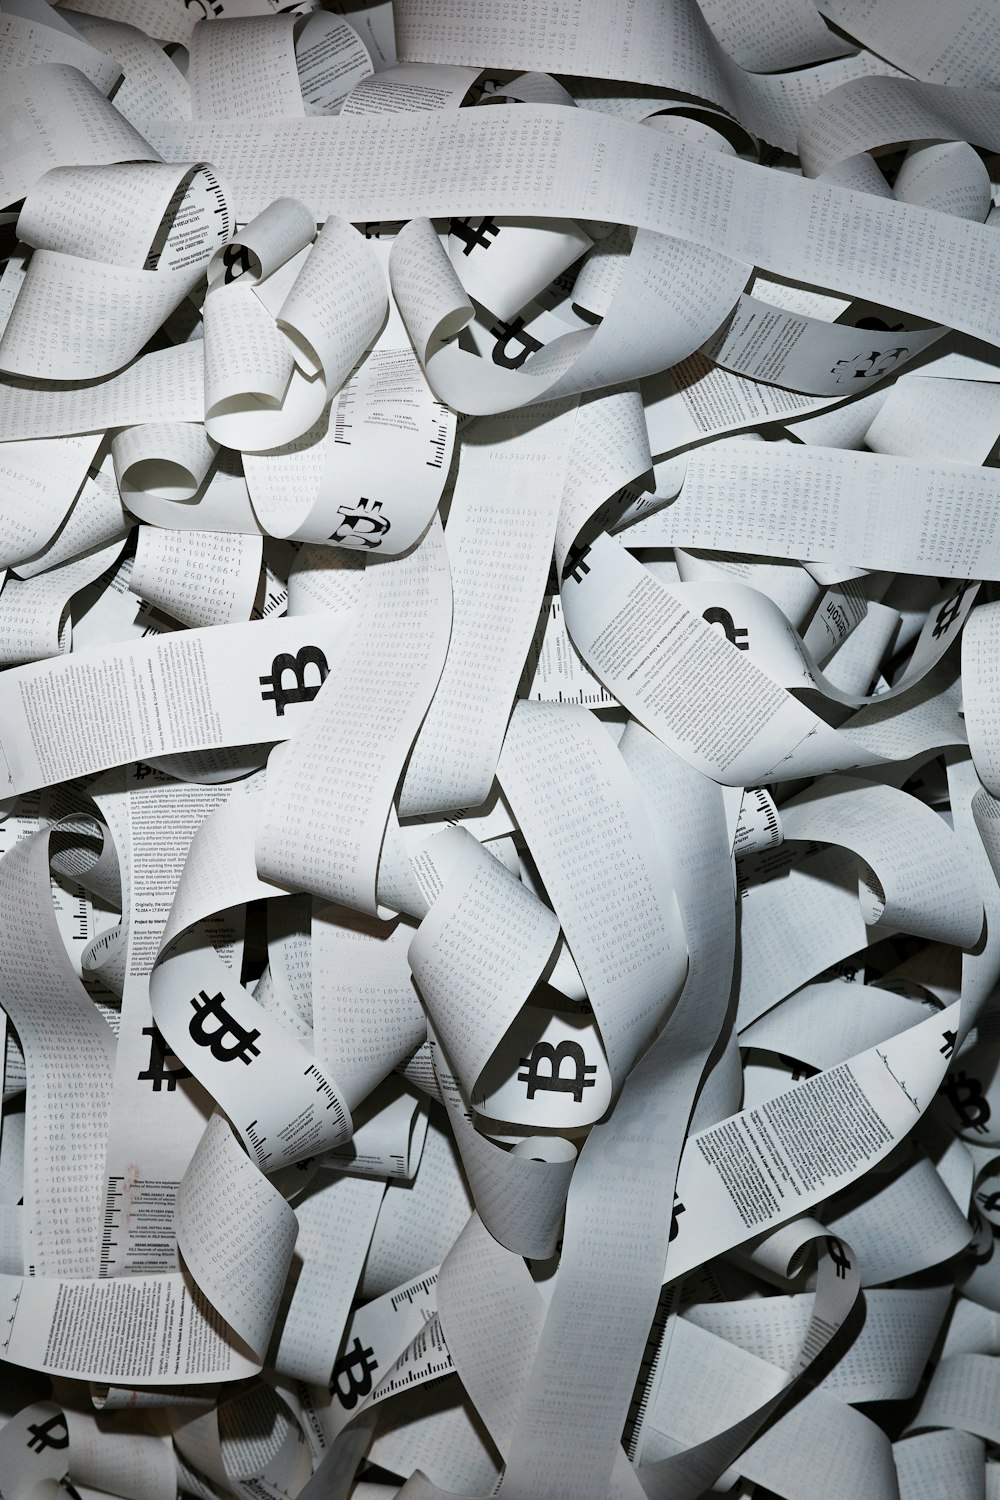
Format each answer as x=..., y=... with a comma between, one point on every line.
x=500, y=824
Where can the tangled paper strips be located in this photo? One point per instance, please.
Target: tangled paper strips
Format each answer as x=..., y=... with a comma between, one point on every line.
x=498, y=663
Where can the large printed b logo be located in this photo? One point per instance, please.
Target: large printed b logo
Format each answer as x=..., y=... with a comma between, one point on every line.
x=300, y=691
x=357, y=1358
x=841, y=1260
x=156, y=1074
x=507, y=336
x=553, y=1079
x=236, y=259
x=735, y=634
x=868, y=365
x=43, y=1434
x=475, y=237
x=363, y=526
x=965, y=1095
x=212, y=1008
x=948, y=613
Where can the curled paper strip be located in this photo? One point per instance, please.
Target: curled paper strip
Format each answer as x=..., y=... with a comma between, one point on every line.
x=500, y=817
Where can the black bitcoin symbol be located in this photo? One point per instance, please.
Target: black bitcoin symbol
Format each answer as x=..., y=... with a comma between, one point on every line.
x=674, y=1226
x=868, y=366
x=359, y=1385
x=554, y=1080
x=236, y=260
x=965, y=1095
x=950, y=1038
x=142, y=770
x=302, y=692
x=41, y=1434
x=508, y=333
x=839, y=1257
x=879, y=325
x=472, y=238
x=242, y=1045
x=799, y=1069
x=362, y=525
x=730, y=629
x=576, y=563
x=156, y=1072
x=948, y=613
